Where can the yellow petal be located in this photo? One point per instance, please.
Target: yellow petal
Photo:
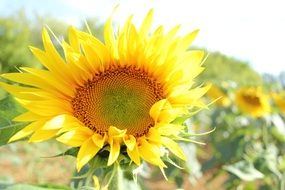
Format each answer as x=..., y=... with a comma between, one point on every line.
x=114, y=132
x=123, y=39
x=189, y=64
x=32, y=80
x=153, y=136
x=189, y=97
x=114, y=152
x=99, y=140
x=56, y=64
x=132, y=44
x=187, y=40
x=167, y=129
x=25, y=78
x=146, y=25
x=75, y=137
x=49, y=47
x=47, y=76
x=167, y=68
x=134, y=155
x=156, y=109
x=92, y=57
x=109, y=38
x=168, y=115
x=43, y=58
x=46, y=108
x=71, y=126
x=28, y=116
x=21, y=92
x=192, y=59
x=173, y=147
x=96, y=182
x=73, y=40
x=172, y=33
x=87, y=151
x=150, y=153
x=42, y=135
x=26, y=131
x=59, y=121
x=200, y=104
x=80, y=69
x=98, y=47
x=130, y=141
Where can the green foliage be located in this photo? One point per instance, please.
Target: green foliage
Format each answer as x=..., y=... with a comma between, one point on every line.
x=15, y=37
x=221, y=68
x=246, y=149
x=8, y=110
x=245, y=171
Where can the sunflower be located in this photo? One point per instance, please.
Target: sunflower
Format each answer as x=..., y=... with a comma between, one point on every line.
x=252, y=101
x=215, y=93
x=279, y=99
x=124, y=92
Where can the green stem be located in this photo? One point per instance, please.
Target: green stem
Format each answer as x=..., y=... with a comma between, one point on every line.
x=282, y=182
x=265, y=134
x=117, y=180
x=88, y=179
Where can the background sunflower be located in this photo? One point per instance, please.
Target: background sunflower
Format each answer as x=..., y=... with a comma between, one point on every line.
x=253, y=101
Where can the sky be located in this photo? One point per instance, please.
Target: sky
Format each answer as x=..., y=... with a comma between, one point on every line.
x=249, y=30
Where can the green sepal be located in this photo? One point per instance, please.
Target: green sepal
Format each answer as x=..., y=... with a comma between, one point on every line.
x=69, y=152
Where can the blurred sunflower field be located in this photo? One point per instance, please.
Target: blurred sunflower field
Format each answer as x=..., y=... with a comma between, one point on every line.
x=215, y=124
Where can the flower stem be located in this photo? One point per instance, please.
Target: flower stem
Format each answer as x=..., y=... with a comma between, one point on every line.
x=265, y=134
x=117, y=182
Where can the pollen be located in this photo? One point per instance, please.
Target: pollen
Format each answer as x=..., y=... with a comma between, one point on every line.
x=120, y=97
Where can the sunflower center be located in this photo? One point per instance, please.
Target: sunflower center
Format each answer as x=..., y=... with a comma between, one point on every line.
x=120, y=97
x=253, y=100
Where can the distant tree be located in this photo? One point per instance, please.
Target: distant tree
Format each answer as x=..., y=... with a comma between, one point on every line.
x=221, y=68
x=15, y=37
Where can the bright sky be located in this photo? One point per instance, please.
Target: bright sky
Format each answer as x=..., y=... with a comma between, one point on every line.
x=250, y=30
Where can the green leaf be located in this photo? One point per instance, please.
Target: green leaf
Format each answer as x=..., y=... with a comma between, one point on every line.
x=250, y=186
x=8, y=131
x=8, y=110
x=116, y=180
x=180, y=120
x=278, y=129
x=98, y=162
x=69, y=152
x=231, y=148
x=245, y=171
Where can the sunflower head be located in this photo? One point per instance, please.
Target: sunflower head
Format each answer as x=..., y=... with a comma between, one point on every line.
x=124, y=92
x=215, y=93
x=252, y=101
x=279, y=99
